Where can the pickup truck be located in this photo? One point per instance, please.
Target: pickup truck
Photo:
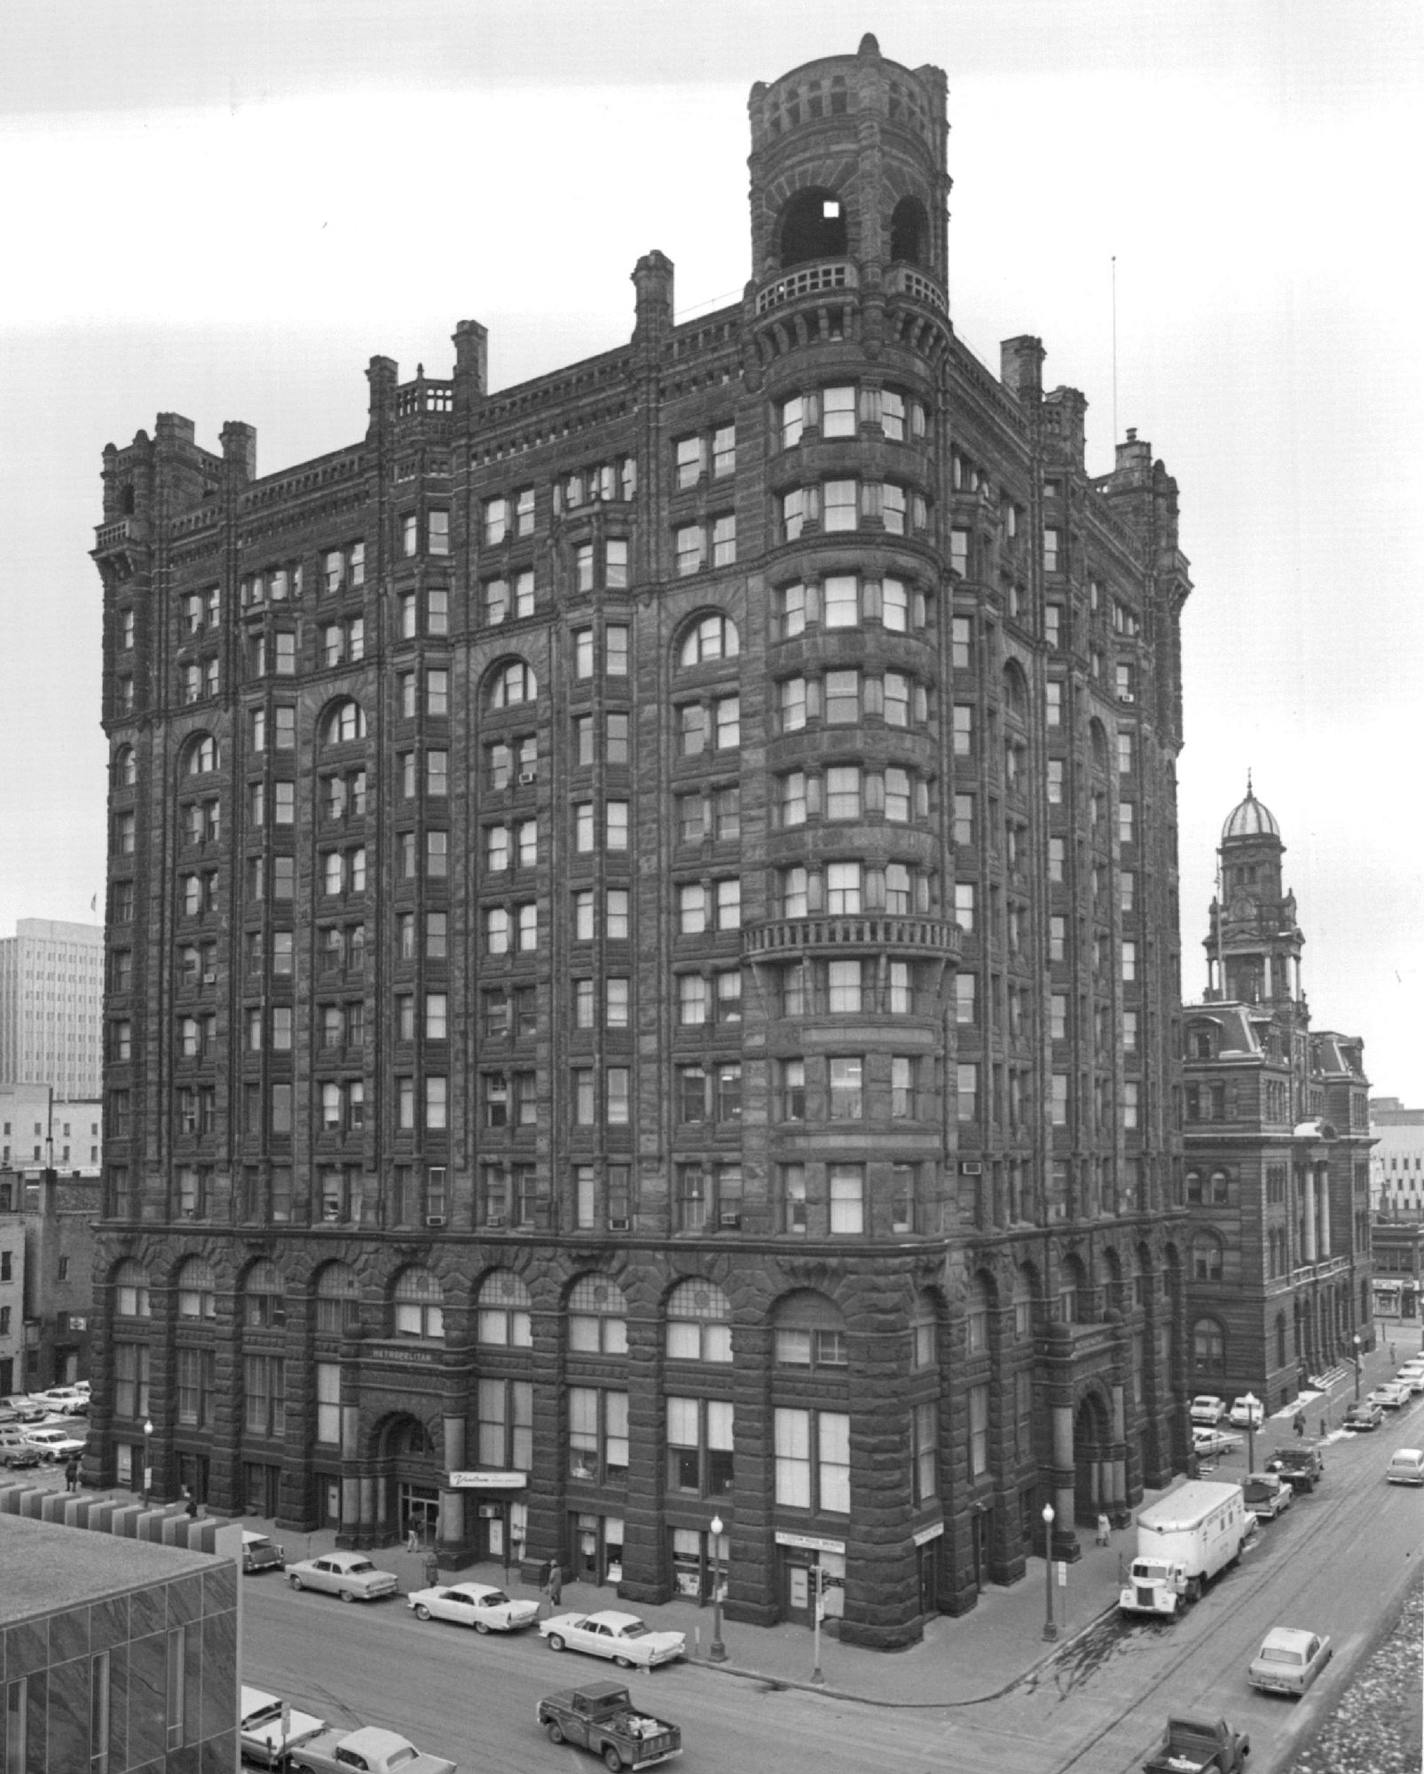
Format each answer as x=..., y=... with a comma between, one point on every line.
x=602, y=1717
x=1267, y=1494
x=1199, y=1746
x=1302, y=1468
x=369, y=1751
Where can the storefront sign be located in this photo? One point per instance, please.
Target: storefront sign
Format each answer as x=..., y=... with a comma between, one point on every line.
x=810, y=1543
x=487, y=1481
x=925, y=1535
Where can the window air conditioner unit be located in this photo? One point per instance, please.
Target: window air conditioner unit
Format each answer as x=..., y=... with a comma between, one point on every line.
x=1126, y=696
x=971, y=1168
x=435, y=1219
x=730, y=1219
x=210, y=978
x=495, y=1220
x=528, y=776
x=618, y=1225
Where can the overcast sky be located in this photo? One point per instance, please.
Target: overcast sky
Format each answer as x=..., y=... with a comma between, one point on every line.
x=223, y=208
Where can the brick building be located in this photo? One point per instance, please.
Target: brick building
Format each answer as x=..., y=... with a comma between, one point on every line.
x=1277, y=1135
x=642, y=936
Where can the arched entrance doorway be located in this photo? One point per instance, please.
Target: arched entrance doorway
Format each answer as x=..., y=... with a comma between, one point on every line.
x=408, y=1478
x=1093, y=1487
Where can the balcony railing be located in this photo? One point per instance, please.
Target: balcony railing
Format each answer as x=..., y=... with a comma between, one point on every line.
x=807, y=280
x=862, y=931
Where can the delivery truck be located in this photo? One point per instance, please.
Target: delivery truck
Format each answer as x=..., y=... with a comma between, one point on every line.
x=1184, y=1540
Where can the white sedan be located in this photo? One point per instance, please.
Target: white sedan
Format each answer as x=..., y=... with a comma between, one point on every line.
x=473, y=1604
x=624, y=1637
x=264, y=1733
x=51, y=1443
x=351, y=1575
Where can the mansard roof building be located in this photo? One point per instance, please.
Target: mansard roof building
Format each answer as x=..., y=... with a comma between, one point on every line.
x=1278, y=1140
x=642, y=937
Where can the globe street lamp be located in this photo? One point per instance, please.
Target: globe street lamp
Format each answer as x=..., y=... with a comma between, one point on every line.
x=1356, y=1342
x=1050, y=1631
x=717, y=1651
x=147, y=1458
x=1253, y=1405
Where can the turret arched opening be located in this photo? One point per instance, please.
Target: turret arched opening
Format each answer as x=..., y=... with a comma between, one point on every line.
x=812, y=226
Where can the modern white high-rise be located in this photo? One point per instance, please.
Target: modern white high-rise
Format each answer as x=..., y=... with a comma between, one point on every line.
x=51, y=999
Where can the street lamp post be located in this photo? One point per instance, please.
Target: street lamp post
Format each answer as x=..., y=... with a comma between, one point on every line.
x=717, y=1651
x=1252, y=1404
x=147, y=1458
x=1050, y=1631
x=1356, y=1342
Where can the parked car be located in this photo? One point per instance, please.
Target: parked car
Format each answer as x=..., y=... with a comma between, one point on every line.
x=261, y=1736
x=1364, y=1415
x=473, y=1604
x=1392, y=1395
x=1207, y=1443
x=1267, y=1495
x=1411, y=1375
x=261, y=1554
x=351, y=1575
x=52, y=1443
x=1301, y=1467
x=1208, y=1409
x=15, y=1450
x=372, y=1749
x=1246, y=1413
x=1406, y=1466
x=66, y=1400
x=1288, y=1661
x=25, y=1409
x=629, y=1641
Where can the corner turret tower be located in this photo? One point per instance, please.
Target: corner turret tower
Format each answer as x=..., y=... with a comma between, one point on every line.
x=1254, y=943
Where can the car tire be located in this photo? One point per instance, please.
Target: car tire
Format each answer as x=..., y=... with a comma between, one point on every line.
x=612, y=1759
x=480, y=1626
x=552, y=1731
x=623, y=1663
x=294, y=1580
x=347, y=1595
x=554, y=1642
x=421, y=1611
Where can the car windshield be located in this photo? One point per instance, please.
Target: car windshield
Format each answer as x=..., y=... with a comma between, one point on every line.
x=264, y=1715
x=1279, y=1654
x=1148, y=1572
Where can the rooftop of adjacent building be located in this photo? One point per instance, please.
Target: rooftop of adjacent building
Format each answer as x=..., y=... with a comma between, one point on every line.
x=49, y=1566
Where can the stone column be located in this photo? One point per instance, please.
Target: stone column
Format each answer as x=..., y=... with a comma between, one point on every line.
x=1308, y=1216
x=452, y=1503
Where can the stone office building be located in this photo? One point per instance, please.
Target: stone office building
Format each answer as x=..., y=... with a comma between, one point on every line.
x=1278, y=1144
x=642, y=957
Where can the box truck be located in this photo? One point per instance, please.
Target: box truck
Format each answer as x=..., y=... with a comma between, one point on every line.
x=1183, y=1541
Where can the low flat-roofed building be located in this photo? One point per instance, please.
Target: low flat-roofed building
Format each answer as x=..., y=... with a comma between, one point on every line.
x=114, y=1653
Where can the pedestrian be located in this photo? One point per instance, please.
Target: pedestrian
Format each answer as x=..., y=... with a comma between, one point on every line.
x=190, y=1508
x=1104, y=1529
x=556, y=1586
x=432, y=1569
x=1391, y=1354
x=71, y=1474
x=1324, y=1427
x=412, y=1539
x=1298, y=1424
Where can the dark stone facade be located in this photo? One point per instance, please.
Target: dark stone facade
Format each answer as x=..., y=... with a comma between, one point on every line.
x=655, y=891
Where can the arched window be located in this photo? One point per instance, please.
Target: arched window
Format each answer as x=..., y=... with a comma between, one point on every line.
x=512, y=684
x=813, y=226
x=1015, y=690
x=1070, y=1290
x=810, y=1332
x=1280, y=1339
x=1194, y=1185
x=264, y=1297
x=909, y=231
x=1208, y=1348
x=709, y=638
x=419, y=1305
x=699, y=1322
x=125, y=768
x=201, y=756
x=1206, y=1257
x=345, y=721
x=977, y=1305
x=197, y=1296
x=598, y=1317
x=131, y=1290
x=1097, y=733
x=924, y=1333
x=1025, y=1290
x=338, y=1299
x=503, y=1316
x=1220, y=1186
